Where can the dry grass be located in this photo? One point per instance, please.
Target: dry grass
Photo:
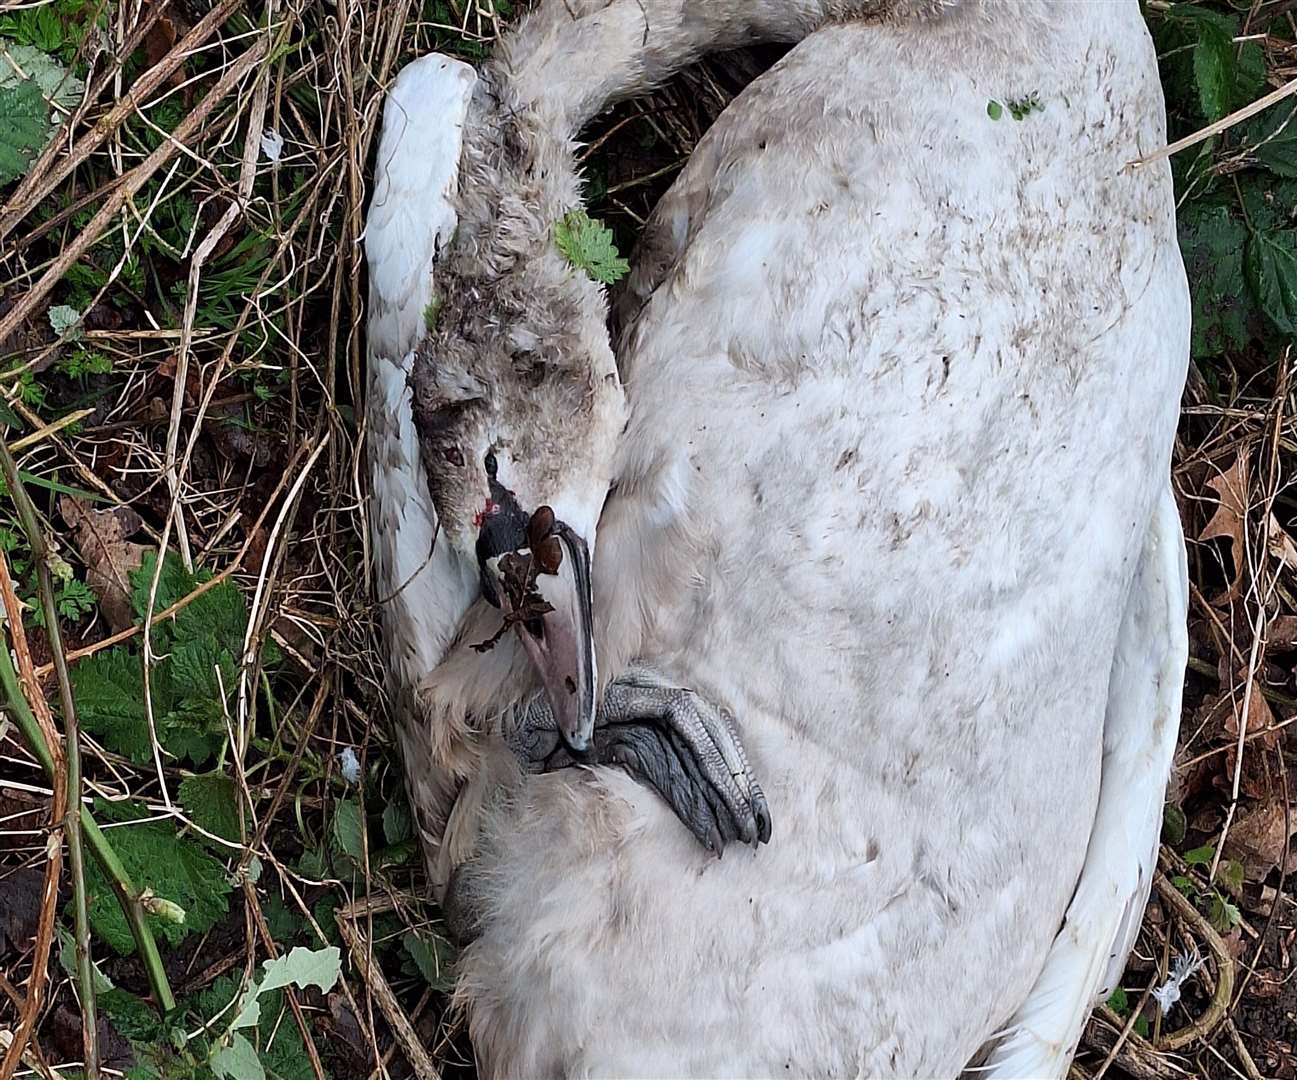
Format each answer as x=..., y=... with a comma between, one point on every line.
x=227, y=290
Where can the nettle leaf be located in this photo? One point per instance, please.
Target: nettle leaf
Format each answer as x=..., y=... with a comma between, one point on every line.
x=588, y=245
x=174, y=583
x=25, y=64
x=1214, y=69
x=1272, y=137
x=109, y=692
x=24, y=128
x=1200, y=856
x=1212, y=240
x=156, y=858
x=205, y=675
x=1271, y=264
x=132, y=1016
x=211, y=801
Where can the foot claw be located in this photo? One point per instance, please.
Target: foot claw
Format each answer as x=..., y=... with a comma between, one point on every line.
x=675, y=741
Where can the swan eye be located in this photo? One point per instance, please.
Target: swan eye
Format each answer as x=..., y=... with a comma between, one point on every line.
x=454, y=456
x=490, y=463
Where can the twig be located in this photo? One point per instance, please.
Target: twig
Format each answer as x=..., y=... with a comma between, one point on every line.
x=41, y=556
x=404, y=1031
x=1205, y=1024
x=131, y=183
x=49, y=429
x=1203, y=134
x=41, y=181
x=54, y=847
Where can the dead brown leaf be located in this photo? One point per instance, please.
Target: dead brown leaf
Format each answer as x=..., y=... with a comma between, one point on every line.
x=1259, y=715
x=100, y=538
x=1230, y=519
x=1280, y=544
x=1281, y=633
x=1257, y=839
x=159, y=41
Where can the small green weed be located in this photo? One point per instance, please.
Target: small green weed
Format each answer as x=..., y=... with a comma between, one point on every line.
x=588, y=245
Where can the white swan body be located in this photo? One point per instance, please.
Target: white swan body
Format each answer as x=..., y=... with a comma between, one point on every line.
x=903, y=395
x=903, y=380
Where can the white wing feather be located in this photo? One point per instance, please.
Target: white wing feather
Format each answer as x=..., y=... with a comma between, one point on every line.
x=1143, y=717
x=423, y=589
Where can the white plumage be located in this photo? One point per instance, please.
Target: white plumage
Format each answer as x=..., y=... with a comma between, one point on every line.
x=903, y=382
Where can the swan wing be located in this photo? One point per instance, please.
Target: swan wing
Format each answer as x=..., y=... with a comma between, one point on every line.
x=423, y=590
x=1140, y=726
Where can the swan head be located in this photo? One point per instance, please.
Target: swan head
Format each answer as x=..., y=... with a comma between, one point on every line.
x=518, y=410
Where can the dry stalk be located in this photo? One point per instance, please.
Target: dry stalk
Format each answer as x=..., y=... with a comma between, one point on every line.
x=130, y=185
x=362, y=955
x=41, y=556
x=38, y=979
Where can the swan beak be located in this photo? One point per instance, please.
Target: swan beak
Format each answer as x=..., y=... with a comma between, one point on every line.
x=561, y=642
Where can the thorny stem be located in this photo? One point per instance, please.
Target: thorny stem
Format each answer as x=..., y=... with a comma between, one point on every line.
x=72, y=756
x=83, y=824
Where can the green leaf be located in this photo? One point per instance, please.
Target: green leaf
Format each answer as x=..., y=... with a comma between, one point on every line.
x=1186, y=887
x=588, y=245
x=172, y=868
x=348, y=831
x=1214, y=69
x=1223, y=915
x=1200, y=856
x=237, y=1061
x=1232, y=875
x=25, y=64
x=302, y=968
x=280, y=920
x=68, y=961
x=397, y=825
x=211, y=801
x=189, y=733
x=1141, y=1027
x=1271, y=263
x=109, y=692
x=66, y=322
x=174, y=583
x=132, y=1016
x=1173, y=825
x=994, y=109
x=1212, y=241
x=1272, y=137
x=24, y=128
x=205, y=677
x=432, y=955
x=1118, y=1003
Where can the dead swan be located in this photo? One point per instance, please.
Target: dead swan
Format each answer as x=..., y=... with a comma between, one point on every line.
x=902, y=382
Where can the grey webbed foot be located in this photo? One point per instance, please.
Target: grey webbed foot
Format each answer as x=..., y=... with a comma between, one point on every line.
x=682, y=746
